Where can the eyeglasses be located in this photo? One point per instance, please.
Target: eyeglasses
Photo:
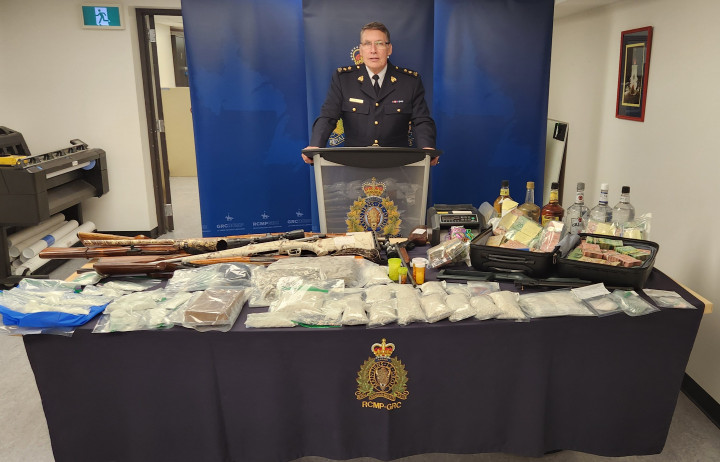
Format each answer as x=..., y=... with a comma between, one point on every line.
x=379, y=44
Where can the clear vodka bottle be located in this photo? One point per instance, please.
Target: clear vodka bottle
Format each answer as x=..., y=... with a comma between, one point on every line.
x=577, y=214
x=602, y=212
x=623, y=210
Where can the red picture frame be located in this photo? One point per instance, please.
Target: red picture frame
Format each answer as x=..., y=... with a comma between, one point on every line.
x=633, y=73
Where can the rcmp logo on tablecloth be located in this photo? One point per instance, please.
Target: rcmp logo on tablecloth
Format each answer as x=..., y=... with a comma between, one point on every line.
x=382, y=377
x=374, y=212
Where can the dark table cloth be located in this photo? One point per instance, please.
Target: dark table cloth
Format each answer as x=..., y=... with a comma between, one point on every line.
x=605, y=386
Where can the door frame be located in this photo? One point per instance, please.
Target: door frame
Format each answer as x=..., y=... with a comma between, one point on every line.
x=145, y=18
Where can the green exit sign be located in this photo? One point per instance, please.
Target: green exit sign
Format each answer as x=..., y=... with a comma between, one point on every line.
x=102, y=17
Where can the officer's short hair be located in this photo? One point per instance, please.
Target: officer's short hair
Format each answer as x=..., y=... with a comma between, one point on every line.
x=375, y=26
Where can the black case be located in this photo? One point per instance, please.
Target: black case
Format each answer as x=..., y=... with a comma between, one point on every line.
x=611, y=275
x=499, y=259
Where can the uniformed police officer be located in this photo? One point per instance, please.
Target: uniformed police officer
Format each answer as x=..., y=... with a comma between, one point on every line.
x=375, y=100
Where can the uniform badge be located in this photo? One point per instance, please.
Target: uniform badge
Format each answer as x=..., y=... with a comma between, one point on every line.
x=337, y=137
x=374, y=212
x=355, y=55
x=382, y=377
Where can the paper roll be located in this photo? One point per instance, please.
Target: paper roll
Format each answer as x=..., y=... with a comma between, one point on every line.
x=16, y=250
x=31, y=231
x=49, y=239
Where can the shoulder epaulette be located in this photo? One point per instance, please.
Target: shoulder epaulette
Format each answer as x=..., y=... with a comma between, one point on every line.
x=407, y=71
x=347, y=69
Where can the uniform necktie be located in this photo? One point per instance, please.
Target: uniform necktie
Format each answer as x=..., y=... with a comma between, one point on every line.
x=376, y=84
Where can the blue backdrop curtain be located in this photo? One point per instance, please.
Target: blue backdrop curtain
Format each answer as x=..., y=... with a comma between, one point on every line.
x=259, y=71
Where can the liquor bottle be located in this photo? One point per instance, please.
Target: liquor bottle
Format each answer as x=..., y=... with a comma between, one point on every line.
x=529, y=208
x=577, y=213
x=623, y=210
x=504, y=194
x=602, y=212
x=552, y=210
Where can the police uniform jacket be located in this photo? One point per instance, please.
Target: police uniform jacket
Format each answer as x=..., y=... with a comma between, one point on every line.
x=369, y=119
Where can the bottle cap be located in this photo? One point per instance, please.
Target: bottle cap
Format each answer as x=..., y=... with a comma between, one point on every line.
x=505, y=183
x=531, y=185
x=626, y=189
x=604, y=186
x=581, y=186
x=554, y=186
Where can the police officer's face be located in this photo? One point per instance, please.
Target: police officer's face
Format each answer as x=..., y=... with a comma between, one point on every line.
x=375, y=57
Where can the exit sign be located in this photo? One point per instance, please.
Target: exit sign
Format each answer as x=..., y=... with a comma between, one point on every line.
x=102, y=17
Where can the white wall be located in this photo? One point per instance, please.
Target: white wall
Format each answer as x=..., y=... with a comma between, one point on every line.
x=60, y=82
x=672, y=159
x=166, y=69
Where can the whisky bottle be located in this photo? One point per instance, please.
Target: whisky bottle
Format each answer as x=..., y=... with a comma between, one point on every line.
x=504, y=194
x=529, y=208
x=552, y=210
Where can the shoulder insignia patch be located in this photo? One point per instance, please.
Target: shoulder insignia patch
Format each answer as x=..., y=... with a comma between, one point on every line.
x=407, y=71
x=345, y=69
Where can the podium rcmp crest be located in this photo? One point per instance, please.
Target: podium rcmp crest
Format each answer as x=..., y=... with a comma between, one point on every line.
x=374, y=212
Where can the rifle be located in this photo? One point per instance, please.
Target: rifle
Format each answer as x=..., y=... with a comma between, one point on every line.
x=84, y=252
x=195, y=246
x=294, y=248
x=283, y=247
x=113, y=267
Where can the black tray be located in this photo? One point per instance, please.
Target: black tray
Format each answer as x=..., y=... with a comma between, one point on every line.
x=499, y=259
x=611, y=275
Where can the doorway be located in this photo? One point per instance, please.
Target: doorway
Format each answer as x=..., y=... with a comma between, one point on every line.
x=161, y=39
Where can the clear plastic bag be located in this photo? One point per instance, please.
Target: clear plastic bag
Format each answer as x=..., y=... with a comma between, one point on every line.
x=215, y=309
x=378, y=294
x=553, y=303
x=598, y=299
x=35, y=301
x=373, y=274
x=478, y=288
x=638, y=228
x=132, y=285
x=267, y=320
x=457, y=288
x=46, y=285
x=434, y=287
x=508, y=304
x=219, y=276
x=148, y=310
x=447, y=252
x=347, y=268
x=265, y=282
x=434, y=307
x=87, y=279
x=296, y=295
x=485, y=307
x=408, y=305
x=382, y=313
x=354, y=313
x=668, y=299
x=632, y=304
x=460, y=305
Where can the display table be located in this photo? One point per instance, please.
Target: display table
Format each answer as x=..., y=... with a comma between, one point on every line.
x=604, y=386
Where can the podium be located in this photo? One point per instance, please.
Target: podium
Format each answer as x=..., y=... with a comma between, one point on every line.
x=380, y=189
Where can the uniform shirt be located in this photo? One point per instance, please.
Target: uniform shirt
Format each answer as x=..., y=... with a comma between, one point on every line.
x=369, y=119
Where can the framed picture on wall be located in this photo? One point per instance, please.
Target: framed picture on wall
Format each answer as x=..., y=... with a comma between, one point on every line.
x=633, y=73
